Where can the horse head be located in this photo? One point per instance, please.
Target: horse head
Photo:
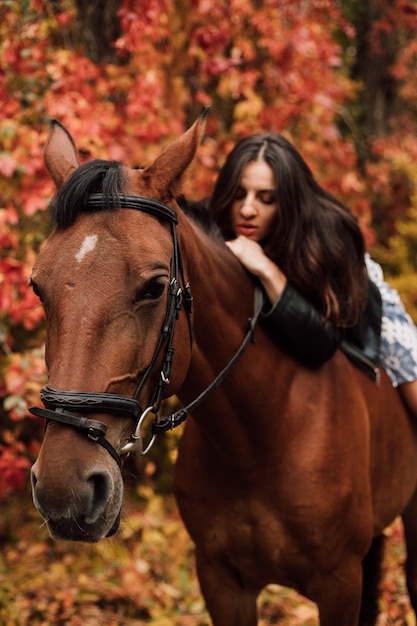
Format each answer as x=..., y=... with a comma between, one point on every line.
x=112, y=286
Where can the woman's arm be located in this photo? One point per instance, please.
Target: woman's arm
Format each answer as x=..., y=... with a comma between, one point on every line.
x=253, y=258
x=291, y=319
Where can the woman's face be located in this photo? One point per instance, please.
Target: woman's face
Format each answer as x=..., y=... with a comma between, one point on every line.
x=254, y=206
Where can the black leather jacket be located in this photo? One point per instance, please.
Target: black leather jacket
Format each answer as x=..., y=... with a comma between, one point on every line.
x=296, y=323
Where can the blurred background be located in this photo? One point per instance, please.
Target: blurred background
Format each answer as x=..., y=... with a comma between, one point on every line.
x=127, y=77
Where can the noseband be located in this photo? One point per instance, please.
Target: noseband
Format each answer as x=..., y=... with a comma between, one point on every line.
x=60, y=404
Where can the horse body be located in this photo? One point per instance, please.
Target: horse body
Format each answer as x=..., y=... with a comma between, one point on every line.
x=279, y=491
x=284, y=475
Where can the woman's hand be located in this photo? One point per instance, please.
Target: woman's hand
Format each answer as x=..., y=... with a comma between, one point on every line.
x=253, y=258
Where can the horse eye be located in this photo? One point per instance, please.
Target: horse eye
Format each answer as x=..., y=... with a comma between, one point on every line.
x=152, y=291
x=35, y=289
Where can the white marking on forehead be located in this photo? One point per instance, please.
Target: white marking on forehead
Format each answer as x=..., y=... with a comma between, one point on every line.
x=87, y=246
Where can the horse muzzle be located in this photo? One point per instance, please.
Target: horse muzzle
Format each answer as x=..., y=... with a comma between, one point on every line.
x=78, y=493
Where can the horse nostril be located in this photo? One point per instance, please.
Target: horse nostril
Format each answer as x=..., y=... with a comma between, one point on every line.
x=33, y=479
x=100, y=485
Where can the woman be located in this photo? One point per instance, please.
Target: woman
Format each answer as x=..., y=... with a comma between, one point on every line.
x=307, y=250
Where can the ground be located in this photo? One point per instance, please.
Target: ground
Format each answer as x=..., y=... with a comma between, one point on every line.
x=145, y=575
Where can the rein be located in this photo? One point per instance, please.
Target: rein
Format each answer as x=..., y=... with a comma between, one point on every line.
x=59, y=404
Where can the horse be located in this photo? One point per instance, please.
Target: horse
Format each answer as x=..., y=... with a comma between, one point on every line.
x=285, y=474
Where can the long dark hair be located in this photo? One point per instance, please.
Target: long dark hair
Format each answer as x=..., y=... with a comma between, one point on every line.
x=315, y=240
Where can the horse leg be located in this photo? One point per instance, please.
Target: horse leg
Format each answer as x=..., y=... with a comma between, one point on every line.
x=228, y=601
x=409, y=518
x=338, y=594
x=371, y=579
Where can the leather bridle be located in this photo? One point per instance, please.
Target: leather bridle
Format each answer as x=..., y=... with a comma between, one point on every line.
x=59, y=405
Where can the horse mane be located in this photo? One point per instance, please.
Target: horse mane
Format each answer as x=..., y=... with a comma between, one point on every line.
x=98, y=176
x=197, y=212
x=108, y=178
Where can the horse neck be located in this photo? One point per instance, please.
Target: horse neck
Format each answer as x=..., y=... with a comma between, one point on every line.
x=223, y=291
x=223, y=302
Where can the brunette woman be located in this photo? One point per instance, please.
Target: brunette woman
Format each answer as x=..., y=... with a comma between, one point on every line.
x=307, y=250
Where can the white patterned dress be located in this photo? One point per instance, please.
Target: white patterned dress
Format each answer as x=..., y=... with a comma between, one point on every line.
x=398, y=351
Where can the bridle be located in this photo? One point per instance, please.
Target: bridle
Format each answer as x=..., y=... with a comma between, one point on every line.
x=59, y=405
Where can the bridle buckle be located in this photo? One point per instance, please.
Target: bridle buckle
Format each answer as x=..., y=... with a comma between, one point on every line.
x=135, y=445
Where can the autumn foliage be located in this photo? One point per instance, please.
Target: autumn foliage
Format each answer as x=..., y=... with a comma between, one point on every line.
x=285, y=66
x=291, y=67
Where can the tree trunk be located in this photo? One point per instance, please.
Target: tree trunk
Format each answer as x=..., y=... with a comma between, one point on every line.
x=376, y=50
x=98, y=28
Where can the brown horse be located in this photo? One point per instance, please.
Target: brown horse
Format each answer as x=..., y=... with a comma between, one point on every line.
x=285, y=474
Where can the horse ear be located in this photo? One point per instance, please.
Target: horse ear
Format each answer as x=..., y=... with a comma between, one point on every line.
x=170, y=165
x=60, y=154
